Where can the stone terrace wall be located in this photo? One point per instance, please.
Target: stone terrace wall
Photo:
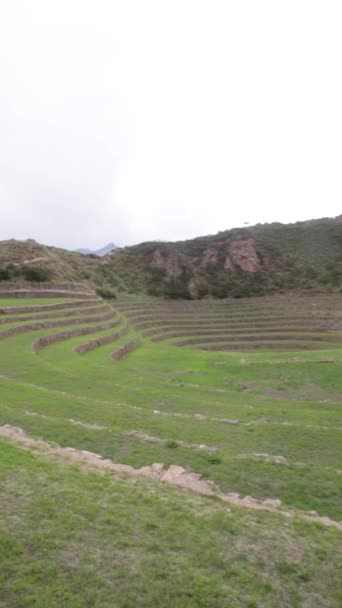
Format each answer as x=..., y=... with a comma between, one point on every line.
x=124, y=349
x=40, y=293
x=21, y=329
x=26, y=289
x=44, y=341
x=84, y=348
x=51, y=315
x=45, y=307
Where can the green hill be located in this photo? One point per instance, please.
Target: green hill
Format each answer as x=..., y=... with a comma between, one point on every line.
x=257, y=260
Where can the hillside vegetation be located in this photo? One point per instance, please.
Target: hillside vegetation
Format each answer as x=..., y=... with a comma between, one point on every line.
x=261, y=259
x=240, y=262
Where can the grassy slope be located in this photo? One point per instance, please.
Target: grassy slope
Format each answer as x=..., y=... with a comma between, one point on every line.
x=9, y=302
x=104, y=542
x=76, y=540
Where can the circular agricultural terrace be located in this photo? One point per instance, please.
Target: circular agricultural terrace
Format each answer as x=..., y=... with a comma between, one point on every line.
x=300, y=322
x=275, y=322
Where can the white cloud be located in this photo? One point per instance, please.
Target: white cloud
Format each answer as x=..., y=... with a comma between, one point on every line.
x=128, y=121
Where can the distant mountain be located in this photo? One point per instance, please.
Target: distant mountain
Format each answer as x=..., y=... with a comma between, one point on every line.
x=100, y=252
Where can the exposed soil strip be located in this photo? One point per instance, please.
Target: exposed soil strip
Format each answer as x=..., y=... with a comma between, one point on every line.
x=153, y=439
x=173, y=475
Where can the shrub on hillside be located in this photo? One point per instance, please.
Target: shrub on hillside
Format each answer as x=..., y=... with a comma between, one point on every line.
x=105, y=293
x=38, y=274
x=214, y=459
x=171, y=443
x=5, y=274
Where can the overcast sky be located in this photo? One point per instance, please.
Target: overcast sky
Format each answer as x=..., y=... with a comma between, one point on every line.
x=131, y=120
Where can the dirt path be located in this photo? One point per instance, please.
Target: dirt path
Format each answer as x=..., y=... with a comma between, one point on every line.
x=173, y=475
x=33, y=261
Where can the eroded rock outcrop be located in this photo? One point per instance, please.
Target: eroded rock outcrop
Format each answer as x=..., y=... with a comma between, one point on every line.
x=242, y=254
x=169, y=264
x=211, y=256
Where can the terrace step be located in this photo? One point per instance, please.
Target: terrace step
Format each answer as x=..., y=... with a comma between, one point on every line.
x=166, y=333
x=54, y=292
x=123, y=350
x=251, y=338
x=262, y=345
x=52, y=315
x=6, y=310
x=20, y=329
x=97, y=342
x=44, y=341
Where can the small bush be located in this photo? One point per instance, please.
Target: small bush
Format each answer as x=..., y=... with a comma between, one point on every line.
x=105, y=293
x=5, y=274
x=38, y=274
x=171, y=443
x=214, y=459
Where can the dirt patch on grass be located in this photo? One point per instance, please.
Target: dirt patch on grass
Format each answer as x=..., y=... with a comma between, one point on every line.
x=173, y=475
x=197, y=417
x=177, y=443
x=268, y=458
x=312, y=392
x=87, y=425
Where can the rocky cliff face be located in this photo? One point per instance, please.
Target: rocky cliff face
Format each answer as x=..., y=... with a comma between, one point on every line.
x=239, y=254
x=169, y=264
x=243, y=254
x=221, y=258
x=211, y=256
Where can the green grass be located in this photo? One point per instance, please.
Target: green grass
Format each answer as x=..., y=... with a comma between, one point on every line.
x=108, y=542
x=75, y=539
x=4, y=302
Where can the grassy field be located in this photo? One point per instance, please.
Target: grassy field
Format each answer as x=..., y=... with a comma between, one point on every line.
x=263, y=423
x=4, y=302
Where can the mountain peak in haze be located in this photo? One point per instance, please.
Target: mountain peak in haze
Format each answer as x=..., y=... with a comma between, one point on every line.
x=100, y=252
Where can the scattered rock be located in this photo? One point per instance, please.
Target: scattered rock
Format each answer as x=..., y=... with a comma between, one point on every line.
x=175, y=475
x=271, y=459
x=226, y=420
x=87, y=425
